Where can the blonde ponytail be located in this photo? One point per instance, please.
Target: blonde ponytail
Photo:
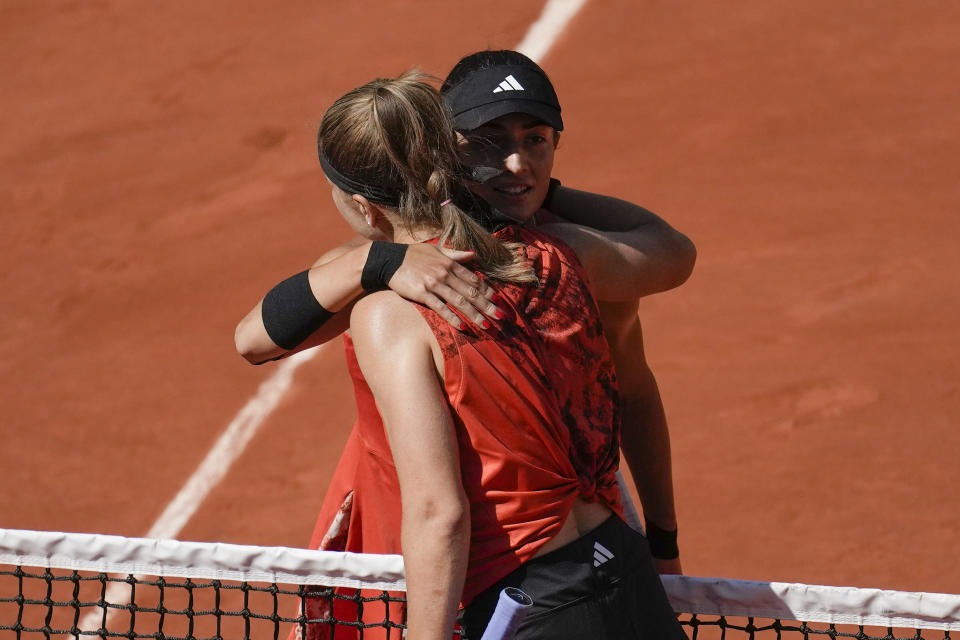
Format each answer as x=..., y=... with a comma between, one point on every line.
x=394, y=139
x=498, y=260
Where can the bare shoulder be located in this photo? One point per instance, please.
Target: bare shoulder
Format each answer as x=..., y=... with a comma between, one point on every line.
x=336, y=252
x=382, y=320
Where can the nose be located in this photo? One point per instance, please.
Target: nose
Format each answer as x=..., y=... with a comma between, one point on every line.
x=515, y=162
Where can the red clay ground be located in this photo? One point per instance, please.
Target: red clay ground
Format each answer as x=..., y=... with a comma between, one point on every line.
x=158, y=175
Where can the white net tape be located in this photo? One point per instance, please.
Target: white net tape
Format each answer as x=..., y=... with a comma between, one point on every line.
x=285, y=565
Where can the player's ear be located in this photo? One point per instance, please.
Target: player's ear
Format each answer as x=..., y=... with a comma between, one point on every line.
x=369, y=210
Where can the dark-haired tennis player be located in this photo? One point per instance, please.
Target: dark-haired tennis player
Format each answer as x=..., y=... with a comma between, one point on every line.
x=509, y=119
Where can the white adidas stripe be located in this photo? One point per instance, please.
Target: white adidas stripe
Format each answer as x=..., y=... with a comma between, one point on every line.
x=509, y=84
x=601, y=554
x=603, y=550
x=513, y=83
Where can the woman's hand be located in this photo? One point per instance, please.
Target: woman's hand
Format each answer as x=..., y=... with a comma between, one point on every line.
x=434, y=277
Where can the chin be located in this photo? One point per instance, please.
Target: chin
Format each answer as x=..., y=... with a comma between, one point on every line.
x=519, y=212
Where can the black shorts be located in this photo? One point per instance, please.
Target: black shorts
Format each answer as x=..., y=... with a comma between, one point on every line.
x=602, y=586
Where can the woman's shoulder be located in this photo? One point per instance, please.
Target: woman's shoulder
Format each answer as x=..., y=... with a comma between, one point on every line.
x=380, y=318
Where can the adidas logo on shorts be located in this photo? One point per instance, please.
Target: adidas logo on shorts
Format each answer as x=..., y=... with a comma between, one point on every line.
x=601, y=554
x=509, y=84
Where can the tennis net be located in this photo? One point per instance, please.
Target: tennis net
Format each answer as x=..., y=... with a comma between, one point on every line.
x=60, y=585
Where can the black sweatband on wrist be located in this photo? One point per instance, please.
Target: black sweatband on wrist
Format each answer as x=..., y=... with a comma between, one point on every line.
x=554, y=183
x=663, y=543
x=383, y=260
x=290, y=311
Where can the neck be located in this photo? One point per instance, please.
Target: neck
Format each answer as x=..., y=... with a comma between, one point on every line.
x=414, y=236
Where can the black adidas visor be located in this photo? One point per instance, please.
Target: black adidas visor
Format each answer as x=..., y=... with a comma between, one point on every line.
x=490, y=93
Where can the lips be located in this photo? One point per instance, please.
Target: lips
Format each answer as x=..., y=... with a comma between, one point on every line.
x=515, y=190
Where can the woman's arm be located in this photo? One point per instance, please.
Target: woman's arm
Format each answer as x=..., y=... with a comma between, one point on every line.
x=635, y=255
x=632, y=252
x=645, y=437
x=335, y=282
x=427, y=275
x=394, y=348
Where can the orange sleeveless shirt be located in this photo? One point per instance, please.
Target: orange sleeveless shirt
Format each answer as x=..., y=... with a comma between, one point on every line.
x=534, y=402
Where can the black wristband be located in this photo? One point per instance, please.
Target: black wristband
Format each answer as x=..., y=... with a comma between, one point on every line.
x=547, y=199
x=290, y=311
x=663, y=543
x=382, y=262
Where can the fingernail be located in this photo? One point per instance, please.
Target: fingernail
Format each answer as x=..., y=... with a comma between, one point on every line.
x=462, y=326
x=499, y=315
x=486, y=324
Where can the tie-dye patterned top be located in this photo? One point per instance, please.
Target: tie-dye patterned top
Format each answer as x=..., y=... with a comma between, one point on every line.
x=534, y=401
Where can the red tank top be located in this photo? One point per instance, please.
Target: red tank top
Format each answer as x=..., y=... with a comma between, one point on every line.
x=534, y=402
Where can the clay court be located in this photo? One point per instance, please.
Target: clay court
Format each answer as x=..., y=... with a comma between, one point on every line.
x=158, y=174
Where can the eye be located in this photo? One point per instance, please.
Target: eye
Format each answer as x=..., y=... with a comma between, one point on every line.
x=536, y=139
x=484, y=146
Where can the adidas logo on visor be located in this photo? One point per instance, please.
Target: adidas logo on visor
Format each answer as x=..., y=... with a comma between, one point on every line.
x=601, y=554
x=509, y=84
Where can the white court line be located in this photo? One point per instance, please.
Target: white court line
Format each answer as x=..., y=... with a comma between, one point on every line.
x=228, y=447
x=553, y=20
x=536, y=43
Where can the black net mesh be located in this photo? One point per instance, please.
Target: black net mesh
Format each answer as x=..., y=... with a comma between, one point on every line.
x=55, y=585
x=710, y=627
x=50, y=603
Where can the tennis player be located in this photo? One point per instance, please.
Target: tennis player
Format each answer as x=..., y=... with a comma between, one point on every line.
x=649, y=256
x=501, y=442
x=509, y=119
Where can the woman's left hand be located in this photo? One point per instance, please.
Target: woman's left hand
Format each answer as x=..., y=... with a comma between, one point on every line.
x=434, y=277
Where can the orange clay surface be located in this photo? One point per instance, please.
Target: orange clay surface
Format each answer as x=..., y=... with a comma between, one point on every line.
x=158, y=174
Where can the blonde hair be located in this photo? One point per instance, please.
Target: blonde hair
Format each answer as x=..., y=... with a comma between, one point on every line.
x=395, y=134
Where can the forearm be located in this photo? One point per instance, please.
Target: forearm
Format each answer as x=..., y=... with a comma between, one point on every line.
x=435, y=551
x=334, y=283
x=645, y=437
x=645, y=444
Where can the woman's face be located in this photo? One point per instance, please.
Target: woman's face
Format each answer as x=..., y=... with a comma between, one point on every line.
x=520, y=146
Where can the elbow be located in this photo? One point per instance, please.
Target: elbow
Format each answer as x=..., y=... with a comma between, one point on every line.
x=675, y=262
x=244, y=345
x=447, y=519
x=452, y=519
x=249, y=348
x=686, y=258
